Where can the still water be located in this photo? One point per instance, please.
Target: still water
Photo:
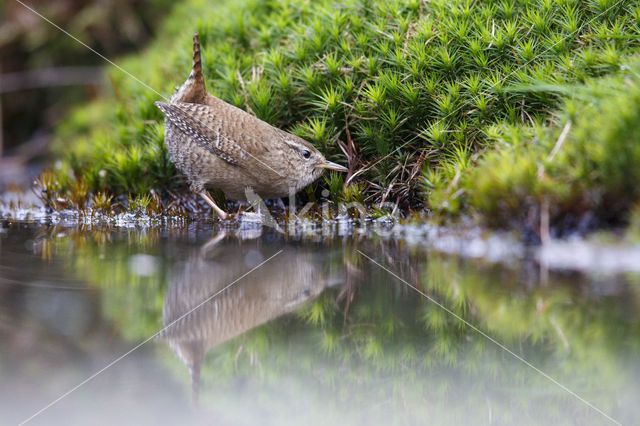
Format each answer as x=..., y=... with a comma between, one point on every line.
x=191, y=324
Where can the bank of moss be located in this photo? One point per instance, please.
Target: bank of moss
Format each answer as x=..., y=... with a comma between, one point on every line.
x=584, y=171
x=410, y=94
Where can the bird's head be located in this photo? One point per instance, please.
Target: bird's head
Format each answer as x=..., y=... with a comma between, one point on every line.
x=305, y=162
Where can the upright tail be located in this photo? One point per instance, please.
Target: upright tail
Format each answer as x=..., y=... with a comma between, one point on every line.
x=193, y=90
x=196, y=69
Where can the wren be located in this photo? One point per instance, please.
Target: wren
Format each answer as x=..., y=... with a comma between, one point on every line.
x=217, y=145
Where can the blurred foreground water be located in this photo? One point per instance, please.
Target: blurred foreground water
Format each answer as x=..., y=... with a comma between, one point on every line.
x=316, y=334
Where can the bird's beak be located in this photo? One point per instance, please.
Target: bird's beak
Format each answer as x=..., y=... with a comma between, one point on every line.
x=332, y=166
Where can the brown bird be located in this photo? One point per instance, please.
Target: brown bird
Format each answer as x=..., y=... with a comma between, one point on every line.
x=218, y=145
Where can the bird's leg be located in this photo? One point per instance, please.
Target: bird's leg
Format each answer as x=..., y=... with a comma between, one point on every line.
x=205, y=195
x=212, y=243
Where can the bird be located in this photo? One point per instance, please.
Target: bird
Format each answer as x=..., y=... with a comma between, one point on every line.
x=217, y=145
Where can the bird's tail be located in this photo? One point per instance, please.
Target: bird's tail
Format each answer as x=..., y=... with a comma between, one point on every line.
x=194, y=89
x=196, y=69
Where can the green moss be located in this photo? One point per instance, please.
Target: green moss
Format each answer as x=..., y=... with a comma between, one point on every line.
x=588, y=162
x=413, y=83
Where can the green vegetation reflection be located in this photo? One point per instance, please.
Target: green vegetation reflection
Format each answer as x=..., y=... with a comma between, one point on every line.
x=322, y=313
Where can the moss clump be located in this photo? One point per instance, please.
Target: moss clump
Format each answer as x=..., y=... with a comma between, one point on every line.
x=588, y=163
x=395, y=86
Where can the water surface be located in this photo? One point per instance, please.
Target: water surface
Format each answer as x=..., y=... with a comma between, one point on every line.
x=251, y=326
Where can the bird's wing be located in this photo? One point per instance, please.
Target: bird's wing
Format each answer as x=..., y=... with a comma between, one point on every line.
x=199, y=123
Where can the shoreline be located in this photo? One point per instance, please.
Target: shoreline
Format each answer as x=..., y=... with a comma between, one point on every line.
x=591, y=253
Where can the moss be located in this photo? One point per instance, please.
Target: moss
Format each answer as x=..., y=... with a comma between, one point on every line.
x=413, y=85
x=587, y=163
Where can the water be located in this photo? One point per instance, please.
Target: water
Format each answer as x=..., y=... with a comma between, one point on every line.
x=250, y=326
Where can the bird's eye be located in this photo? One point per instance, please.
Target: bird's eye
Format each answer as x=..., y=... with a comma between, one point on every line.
x=305, y=153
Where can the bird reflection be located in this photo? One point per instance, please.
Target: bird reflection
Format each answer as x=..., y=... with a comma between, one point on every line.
x=280, y=285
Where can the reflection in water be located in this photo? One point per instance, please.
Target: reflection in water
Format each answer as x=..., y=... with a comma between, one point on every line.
x=368, y=351
x=292, y=278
